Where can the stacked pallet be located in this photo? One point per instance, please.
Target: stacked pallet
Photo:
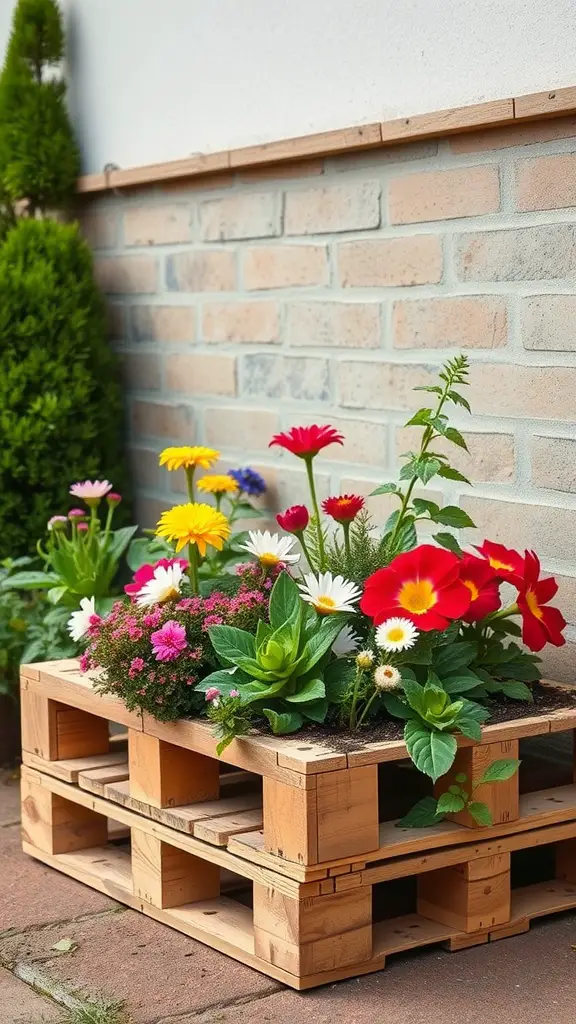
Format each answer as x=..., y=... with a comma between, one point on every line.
x=281, y=857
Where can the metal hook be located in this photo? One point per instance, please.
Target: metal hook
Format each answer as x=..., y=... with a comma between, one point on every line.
x=107, y=170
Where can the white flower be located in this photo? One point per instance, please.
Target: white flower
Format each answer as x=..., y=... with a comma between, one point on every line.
x=271, y=548
x=329, y=593
x=364, y=659
x=79, y=622
x=386, y=677
x=164, y=585
x=346, y=642
x=396, y=635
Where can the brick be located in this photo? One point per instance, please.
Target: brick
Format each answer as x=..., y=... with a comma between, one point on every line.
x=244, y=429
x=365, y=441
x=288, y=486
x=285, y=266
x=100, y=228
x=302, y=379
x=154, y=419
x=201, y=374
x=554, y=463
x=126, y=275
x=490, y=459
x=373, y=159
x=388, y=262
x=116, y=321
x=541, y=392
x=163, y=323
x=546, y=183
x=145, y=471
x=470, y=322
x=372, y=385
x=332, y=209
x=443, y=195
x=257, y=322
x=280, y=172
x=547, y=252
x=539, y=527
x=253, y=215
x=523, y=134
x=141, y=371
x=334, y=324
x=157, y=225
x=382, y=505
x=149, y=510
x=547, y=322
x=203, y=270
x=198, y=183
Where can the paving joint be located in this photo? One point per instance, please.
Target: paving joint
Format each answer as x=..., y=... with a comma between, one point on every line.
x=13, y=933
x=199, y=1016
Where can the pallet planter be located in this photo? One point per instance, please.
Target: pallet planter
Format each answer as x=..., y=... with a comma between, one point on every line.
x=280, y=858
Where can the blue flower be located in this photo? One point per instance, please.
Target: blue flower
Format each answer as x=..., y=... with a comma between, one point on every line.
x=249, y=481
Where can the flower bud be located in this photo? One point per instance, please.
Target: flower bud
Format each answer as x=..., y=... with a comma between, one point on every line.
x=386, y=677
x=294, y=520
x=113, y=499
x=364, y=659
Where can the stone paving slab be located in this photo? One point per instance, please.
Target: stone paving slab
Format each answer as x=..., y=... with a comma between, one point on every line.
x=9, y=798
x=158, y=971
x=20, y=1004
x=33, y=894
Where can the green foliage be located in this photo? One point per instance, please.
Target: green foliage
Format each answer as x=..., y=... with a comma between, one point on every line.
x=39, y=160
x=231, y=717
x=99, y=1010
x=60, y=399
x=84, y=564
x=458, y=797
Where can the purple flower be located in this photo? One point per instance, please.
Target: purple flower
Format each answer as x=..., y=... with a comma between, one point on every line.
x=248, y=480
x=169, y=642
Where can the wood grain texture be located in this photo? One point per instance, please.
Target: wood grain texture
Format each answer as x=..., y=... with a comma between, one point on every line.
x=347, y=813
x=501, y=798
x=69, y=770
x=167, y=877
x=290, y=822
x=468, y=904
x=164, y=775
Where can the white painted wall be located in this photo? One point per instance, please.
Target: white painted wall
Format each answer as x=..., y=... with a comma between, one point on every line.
x=154, y=80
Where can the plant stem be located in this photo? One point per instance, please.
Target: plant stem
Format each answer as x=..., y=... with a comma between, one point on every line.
x=218, y=497
x=190, y=482
x=193, y=570
x=321, y=549
x=304, y=547
x=346, y=529
x=504, y=613
x=367, y=708
x=352, y=721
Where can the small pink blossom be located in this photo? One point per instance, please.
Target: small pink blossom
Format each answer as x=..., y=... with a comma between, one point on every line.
x=136, y=666
x=212, y=693
x=91, y=489
x=169, y=641
x=82, y=527
x=234, y=693
x=153, y=619
x=113, y=498
x=212, y=620
x=56, y=522
x=77, y=513
x=85, y=662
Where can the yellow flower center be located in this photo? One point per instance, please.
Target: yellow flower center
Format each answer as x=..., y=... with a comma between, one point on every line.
x=388, y=672
x=417, y=596
x=532, y=602
x=168, y=594
x=395, y=635
x=472, y=588
x=268, y=558
x=500, y=565
x=324, y=603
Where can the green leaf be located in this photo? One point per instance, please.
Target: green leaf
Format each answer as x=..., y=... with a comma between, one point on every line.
x=420, y=418
x=499, y=771
x=313, y=689
x=415, y=695
x=460, y=683
x=55, y=594
x=337, y=677
x=517, y=690
x=454, y=656
x=453, y=435
x=469, y=727
x=449, y=473
x=507, y=626
x=433, y=753
x=450, y=803
x=385, y=489
x=451, y=515
x=283, y=723
x=433, y=388
x=244, y=510
x=223, y=679
x=30, y=581
x=422, y=815
x=395, y=707
x=421, y=506
x=458, y=400
x=460, y=777
x=480, y=812
x=406, y=538
x=285, y=601
x=118, y=541
x=320, y=642
x=472, y=710
x=425, y=469
x=315, y=711
x=232, y=644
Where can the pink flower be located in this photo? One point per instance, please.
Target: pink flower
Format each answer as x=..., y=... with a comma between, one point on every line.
x=56, y=522
x=169, y=642
x=113, y=498
x=212, y=693
x=137, y=664
x=146, y=573
x=91, y=489
x=234, y=693
x=82, y=527
x=77, y=513
x=85, y=662
x=212, y=620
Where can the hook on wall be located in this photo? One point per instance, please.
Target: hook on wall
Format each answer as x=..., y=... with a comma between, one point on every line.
x=107, y=171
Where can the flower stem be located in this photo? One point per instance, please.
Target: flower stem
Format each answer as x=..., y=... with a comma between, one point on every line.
x=503, y=613
x=312, y=485
x=352, y=721
x=193, y=570
x=190, y=482
x=367, y=707
x=346, y=529
x=304, y=547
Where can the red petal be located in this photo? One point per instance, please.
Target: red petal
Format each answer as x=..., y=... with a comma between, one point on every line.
x=454, y=600
x=488, y=601
x=554, y=623
x=533, y=633
x=545, y=589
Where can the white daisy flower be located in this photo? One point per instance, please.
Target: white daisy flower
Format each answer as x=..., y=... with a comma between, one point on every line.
x=396, y=635
x=346, y=642
x=164, y=585
x=386, y=677
x=329, y=593
x=271, y=548
x=79, y=621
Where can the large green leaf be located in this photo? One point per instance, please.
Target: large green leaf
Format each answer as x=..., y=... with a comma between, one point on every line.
x=338, y=676
x=30, y=581
x=480, y=812
x=316, y=710
x=317, y=645
x=283, y=723
x=385, y=489
x=397, y=708
x=414, y=695
x=451, y=515
x=313, y=689
x=118, y=541
x=285, y=601
x=471, y=728
x=461, y=683
x=433, y=753
x=449, y=658
x=450, y=803
x=232, y=644
x=446, y=540
x=224, y=679
x=516, y=690
x=499, y=771
x=421, y=815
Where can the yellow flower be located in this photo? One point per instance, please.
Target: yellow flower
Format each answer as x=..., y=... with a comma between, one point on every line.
x=194, y=523
x=187, y=457
x=218, y=483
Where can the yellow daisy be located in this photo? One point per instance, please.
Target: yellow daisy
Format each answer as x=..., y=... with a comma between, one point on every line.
x=218, y=483
x=194, y=523
x=187, y=457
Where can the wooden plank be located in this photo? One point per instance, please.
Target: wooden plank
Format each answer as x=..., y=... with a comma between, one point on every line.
x=360, y=137
x=458, y=942
x=309, y=758
x=250, y=846
x=185, y=818
x=80, y=733
x=95, y=780
x=70, y=687
x=168, y=877
x=69, y=770
x=347, y=808
x=55, y=824
x=543, y=898
x=164, y=775
x=219, y=830
x=38, y=718
x=447, y=122
x=456, y=898
x=398, y=934
x=551, y=103
x=501, y=798
x=290, y=822
x=566, y=861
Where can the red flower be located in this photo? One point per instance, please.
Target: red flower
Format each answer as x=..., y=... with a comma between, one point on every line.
x=294, y=519
x=345, y=508
x=422, y=585
x=540, y=625
x=507, y=563
x=306, y=442
x=484, y=585
x=146, y=572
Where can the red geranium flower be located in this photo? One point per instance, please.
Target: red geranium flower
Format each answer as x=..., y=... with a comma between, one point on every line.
x=294, y=519
x=344, y=508
x=540, y=625
x=146, y=572
x=507, y=563
x=422, y=585
x=306, y=442
x=484, y=585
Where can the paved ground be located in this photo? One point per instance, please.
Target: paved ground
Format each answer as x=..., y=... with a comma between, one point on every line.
x=167, y=978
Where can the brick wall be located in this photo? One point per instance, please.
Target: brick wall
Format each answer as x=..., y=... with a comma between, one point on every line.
x=325, y=291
